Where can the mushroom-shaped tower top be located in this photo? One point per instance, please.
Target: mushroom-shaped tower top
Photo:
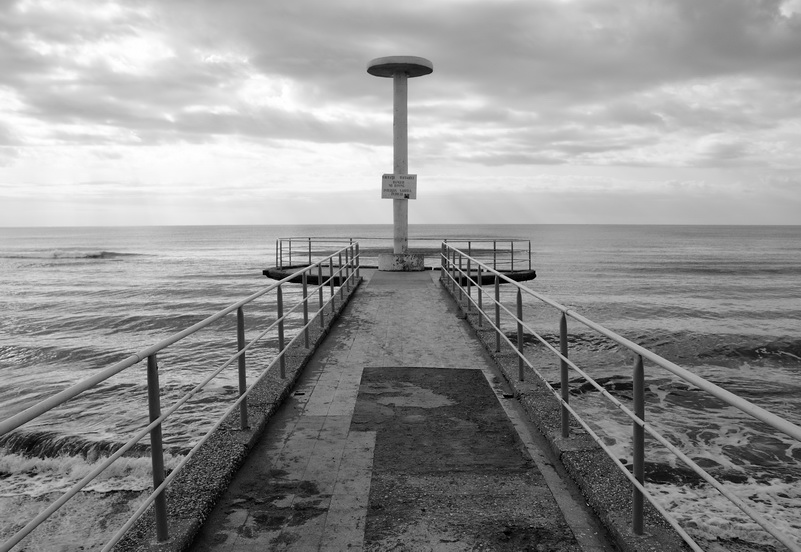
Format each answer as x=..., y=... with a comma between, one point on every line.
x=413, y=66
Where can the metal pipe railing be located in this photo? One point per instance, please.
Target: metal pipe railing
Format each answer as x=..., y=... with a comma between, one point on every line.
x=452, y=260
x=156, y=446
x=156, y=416
x=242, y=373
x=505, y=254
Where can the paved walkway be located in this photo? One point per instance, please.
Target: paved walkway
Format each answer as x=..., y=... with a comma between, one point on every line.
x=307, y=485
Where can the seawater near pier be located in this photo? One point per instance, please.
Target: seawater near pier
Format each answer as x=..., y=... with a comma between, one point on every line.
x=712, y=298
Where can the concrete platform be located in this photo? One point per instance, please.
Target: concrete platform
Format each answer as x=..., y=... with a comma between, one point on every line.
x=381, y=448
x=405, y=262
x=486, y=279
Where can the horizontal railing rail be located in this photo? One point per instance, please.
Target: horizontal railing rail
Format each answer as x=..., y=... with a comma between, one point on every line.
x=517, y=256
x=299, y=251
x=462, y=273
x=342, y=265
x=504, y=254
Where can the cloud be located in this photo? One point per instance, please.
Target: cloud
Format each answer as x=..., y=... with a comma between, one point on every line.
x=136, y=66
x=121, y=87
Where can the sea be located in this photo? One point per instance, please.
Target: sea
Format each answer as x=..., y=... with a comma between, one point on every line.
x=722, y=301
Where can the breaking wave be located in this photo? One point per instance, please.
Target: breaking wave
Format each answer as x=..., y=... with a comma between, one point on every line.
x=35, y=464
x=50, y=444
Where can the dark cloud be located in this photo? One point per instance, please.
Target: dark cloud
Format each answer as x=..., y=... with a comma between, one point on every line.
x=567, y=80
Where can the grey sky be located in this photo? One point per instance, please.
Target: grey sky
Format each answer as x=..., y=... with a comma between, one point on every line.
x=173, y=112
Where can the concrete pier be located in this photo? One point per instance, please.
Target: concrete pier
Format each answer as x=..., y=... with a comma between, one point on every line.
x=400, y=435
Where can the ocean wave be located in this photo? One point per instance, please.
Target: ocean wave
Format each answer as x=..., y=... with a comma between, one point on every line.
x=50, y=444
x=779, y=350
x=662, y=473
x=32, y=476
x=615, y=385
x=577, y=341
x=719, y=525
x=684, y=347
x=757, y=464
x=51, y=354
x=719, y=269
x=68, y=254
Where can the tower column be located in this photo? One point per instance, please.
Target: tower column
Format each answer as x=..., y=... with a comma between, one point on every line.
x=400, y=69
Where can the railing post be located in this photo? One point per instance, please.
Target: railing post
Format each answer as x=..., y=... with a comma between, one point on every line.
x=320, y=290
x=358, y=261
x=290, y=251
x=279, y=253
x=454, y=271
x=340, y=276
x=305, y=309
x=449, y=267
x=156, y=447
x=638, y=445
x=469, y=283
x=519, y=335
x=452, y=262
x=497, y=313
x=281, y=359
x=442, y=263
x=310, y=255
x=243, y=383
x=352, y=263
x=460, y=278
x=564, y=374
x=512, y=246
x=347, y=267
x=331, y=279
x=529, y=254
x=494, y=255
x=479, y=290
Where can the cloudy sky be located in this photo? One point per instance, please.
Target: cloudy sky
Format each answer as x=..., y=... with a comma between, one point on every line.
x=262, y=112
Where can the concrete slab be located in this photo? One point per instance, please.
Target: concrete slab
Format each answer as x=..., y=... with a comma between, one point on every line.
x=449, y=466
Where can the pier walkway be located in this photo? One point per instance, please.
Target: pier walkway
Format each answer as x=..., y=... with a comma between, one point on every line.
x=398, y=437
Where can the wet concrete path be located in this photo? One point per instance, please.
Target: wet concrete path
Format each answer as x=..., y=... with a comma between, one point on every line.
x=395, y=439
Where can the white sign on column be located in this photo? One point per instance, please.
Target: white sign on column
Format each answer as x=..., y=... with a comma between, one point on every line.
x=399, y=186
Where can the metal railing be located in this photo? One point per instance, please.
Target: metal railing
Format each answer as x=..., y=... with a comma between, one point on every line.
x=505, y=255
x=458, y=266
x=347, y=270
x=302, y=251
x=493, y=252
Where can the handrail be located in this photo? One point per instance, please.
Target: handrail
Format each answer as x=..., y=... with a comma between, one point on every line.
x=350, y=268
x=453, y=262
x=511, y=252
